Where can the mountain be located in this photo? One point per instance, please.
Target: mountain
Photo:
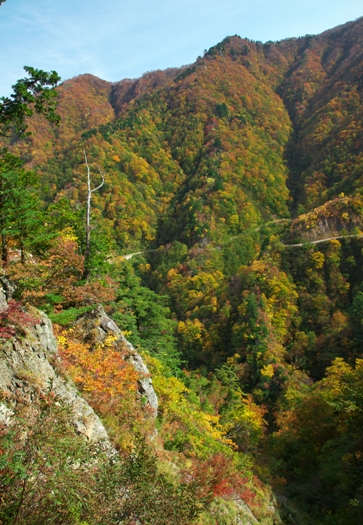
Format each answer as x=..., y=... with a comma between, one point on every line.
x=247, y=133
x=236, y=185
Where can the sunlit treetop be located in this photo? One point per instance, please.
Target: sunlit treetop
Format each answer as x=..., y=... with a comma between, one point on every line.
x=36, y=92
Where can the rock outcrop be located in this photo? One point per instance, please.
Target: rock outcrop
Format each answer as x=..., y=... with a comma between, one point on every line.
x=339, y=217
x=29, y=367
x=96, y=326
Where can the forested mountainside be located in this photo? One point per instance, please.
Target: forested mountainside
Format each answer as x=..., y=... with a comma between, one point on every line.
x=239, y=178
x=232, y=134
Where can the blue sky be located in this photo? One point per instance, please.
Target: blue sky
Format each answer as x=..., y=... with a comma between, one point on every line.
x=116, y=39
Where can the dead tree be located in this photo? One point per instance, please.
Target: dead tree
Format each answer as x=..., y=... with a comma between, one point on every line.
x=88, y=215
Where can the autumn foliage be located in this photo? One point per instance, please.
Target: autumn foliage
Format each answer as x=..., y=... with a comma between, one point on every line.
x=14, y=319
x=100, y=371
x=239, y=178
x=59, y=273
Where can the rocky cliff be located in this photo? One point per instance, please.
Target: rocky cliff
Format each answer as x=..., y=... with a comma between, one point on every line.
x=29, y=367
x=95, y=327
x=338, y=217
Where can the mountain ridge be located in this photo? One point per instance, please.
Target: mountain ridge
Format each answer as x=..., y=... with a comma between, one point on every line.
x=283, y=73
x=237, y=184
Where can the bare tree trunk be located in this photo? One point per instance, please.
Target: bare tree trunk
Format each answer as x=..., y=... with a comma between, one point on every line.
x=88, y=211
x=88, y=216
x=4, y=245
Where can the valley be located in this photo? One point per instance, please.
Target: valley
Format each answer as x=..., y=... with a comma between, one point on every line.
x=226, y=245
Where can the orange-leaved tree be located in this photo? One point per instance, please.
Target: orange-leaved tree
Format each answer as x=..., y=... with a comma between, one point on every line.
x=100, y=369
x=108, y=381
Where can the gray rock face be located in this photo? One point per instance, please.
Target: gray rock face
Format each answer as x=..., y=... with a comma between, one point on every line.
x=3, y=303
x=336, y=218
x=6, y=291
x=245, y=514
x=97, y=326
x=28, y=368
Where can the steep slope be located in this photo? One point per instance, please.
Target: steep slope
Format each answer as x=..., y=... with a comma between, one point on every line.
x=203, y=150
x=59, y=463
x=30, y=368
x=204, y=166
x=323, y=90
x=83, y=103
x=212, y=148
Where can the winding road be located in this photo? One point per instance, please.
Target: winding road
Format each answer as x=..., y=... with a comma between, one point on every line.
x=323, y=240
x=131, y=255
